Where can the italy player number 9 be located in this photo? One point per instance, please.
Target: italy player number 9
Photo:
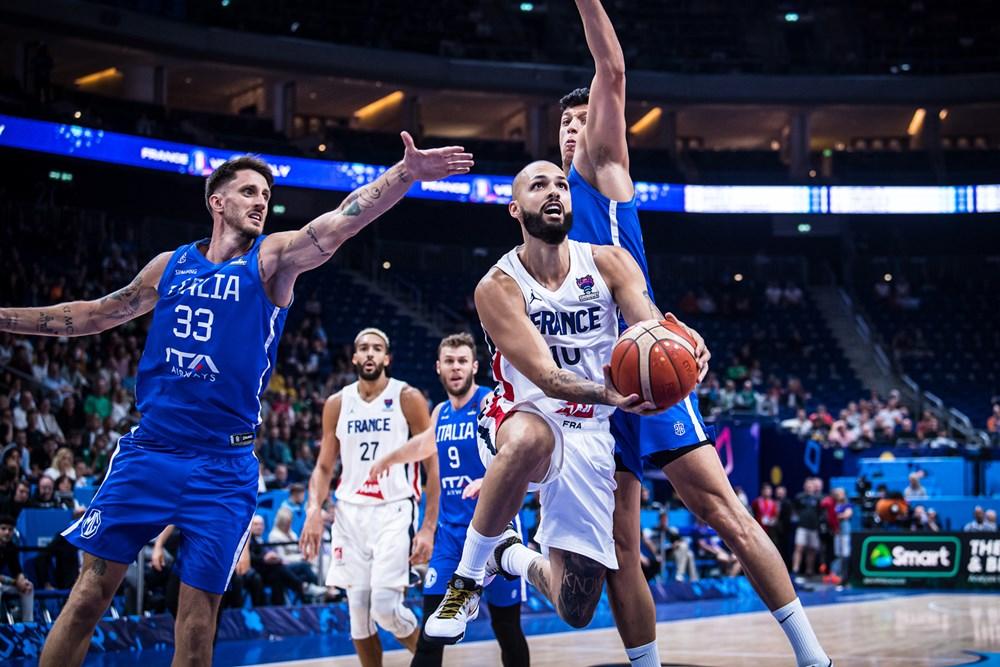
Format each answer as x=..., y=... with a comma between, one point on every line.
x=453, y=459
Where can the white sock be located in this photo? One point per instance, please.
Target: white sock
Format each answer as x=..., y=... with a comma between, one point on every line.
x=647, y=655
x=517, y=558
x=793, y=620
x=475, y=553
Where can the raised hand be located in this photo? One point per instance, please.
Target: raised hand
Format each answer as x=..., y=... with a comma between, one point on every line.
x=434, y=164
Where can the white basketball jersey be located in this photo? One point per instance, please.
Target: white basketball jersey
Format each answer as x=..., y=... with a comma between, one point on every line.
x=369, y=431
x=579, y=322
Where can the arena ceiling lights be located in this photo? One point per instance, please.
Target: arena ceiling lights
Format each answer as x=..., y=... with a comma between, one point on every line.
x=114, y=148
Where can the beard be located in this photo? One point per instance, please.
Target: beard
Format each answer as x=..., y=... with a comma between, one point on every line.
x=547, y=232
x=237, y=222
x=369, y=376
x=461, y=390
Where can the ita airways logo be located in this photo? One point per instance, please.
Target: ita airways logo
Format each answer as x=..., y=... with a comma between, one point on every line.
x=880, y=556
x=91, y=524
x=586, y=285
x=192, y=365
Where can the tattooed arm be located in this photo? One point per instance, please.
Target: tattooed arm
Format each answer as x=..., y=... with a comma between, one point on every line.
x=285, y=255
x=501, y=309
x=626, y=281
x=82, y=318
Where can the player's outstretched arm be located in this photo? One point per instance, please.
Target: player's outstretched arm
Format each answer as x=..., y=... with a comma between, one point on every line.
x=82, y=318
x=417, y=448
x=423, y=541
x=287, y=254
x=501, y=309
x=628, y=285
x=418, y=418
x=319, y=480
x=604, y=143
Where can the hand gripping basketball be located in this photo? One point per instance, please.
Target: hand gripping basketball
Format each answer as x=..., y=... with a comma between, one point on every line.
x=631, y=402
x=656, y=360
x=701, y=353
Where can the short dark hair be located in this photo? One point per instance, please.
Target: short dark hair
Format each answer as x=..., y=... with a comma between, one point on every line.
x=463, y=339
x=226, y=172
x=7, y=520
x=574, y=99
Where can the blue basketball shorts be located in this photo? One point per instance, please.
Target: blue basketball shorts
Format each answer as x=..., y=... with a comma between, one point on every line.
x=211, y=499
x=643, y=438
x=448, y=542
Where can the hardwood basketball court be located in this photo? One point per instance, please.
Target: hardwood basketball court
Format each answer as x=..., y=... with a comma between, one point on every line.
x=923, y=630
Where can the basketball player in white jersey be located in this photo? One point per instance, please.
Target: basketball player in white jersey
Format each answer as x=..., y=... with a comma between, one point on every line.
x=373, y=540
x=549, y=308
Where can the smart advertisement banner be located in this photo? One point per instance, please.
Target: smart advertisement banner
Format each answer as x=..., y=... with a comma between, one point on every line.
x=87, y=143
x=926, y=560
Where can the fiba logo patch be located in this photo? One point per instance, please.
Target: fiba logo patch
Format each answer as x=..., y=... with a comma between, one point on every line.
x=679, y=428
x=430, y=577
x=91, y=524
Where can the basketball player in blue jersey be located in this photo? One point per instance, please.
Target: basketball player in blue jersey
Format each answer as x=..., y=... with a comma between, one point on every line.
x=218, y=306
x=453, y=437
x=592, y=141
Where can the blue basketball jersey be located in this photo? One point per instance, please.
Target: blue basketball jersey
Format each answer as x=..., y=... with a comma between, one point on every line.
x=458, y=458
x=209, y=354
x=602, y=221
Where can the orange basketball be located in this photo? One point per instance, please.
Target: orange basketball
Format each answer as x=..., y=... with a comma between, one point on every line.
x=655, y=360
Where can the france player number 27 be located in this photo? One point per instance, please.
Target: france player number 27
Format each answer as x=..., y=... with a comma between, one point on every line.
x=368, y=450
x=194, y=323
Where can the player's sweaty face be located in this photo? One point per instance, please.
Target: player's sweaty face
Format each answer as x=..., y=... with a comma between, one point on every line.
x=456, y=368
x=370, y=357
x=571, y=125
x=245, y=201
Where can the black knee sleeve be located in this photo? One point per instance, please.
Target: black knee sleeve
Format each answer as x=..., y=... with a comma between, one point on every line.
x=506, y=623
x=428, y=654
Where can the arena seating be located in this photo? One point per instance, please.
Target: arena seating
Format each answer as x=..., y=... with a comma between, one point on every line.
x=934, y=317
x=689, y=36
